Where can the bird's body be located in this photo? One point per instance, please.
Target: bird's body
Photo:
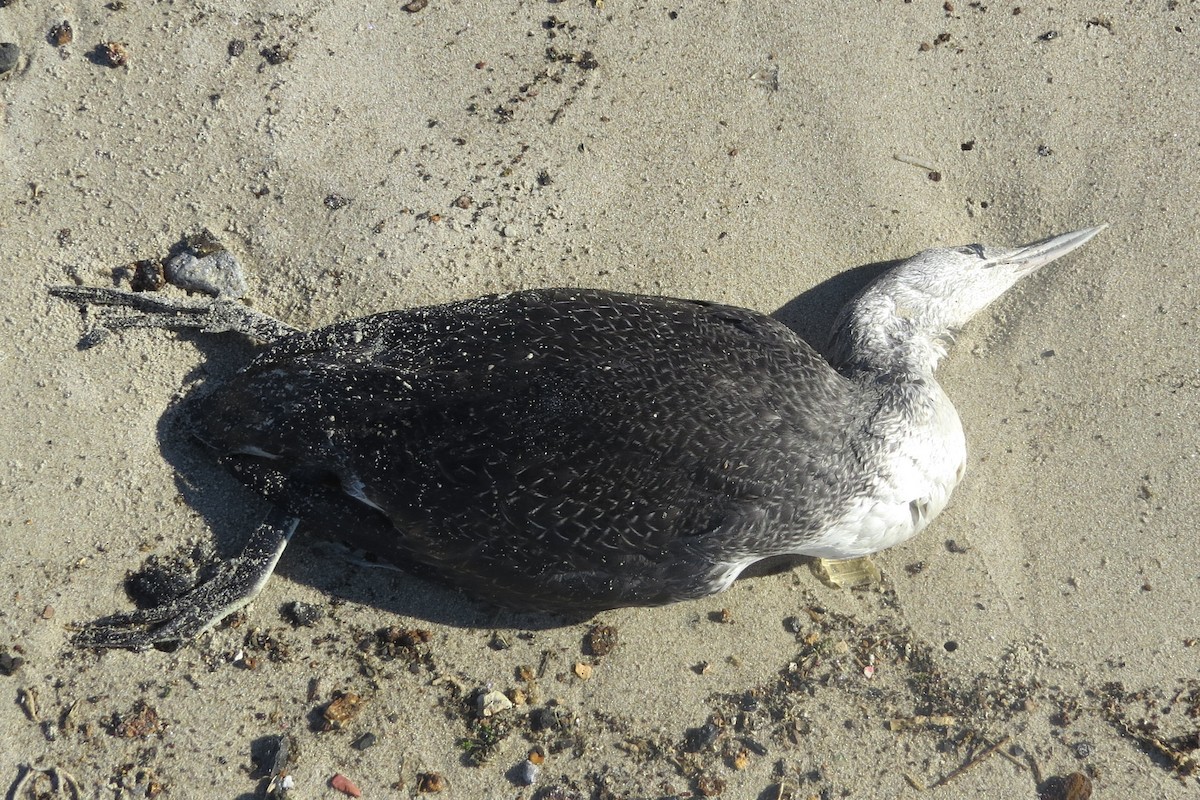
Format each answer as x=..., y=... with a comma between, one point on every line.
x=576, y=450
x=561, y=449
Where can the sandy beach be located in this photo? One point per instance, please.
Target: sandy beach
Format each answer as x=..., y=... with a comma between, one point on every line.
x=1040, y=636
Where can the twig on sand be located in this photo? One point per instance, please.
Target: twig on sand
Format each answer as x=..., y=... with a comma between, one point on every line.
x=974, y=761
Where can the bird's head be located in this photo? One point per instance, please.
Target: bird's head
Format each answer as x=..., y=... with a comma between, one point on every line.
x=906, y=318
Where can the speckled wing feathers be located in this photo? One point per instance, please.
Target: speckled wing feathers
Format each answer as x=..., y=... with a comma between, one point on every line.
x=543, y=445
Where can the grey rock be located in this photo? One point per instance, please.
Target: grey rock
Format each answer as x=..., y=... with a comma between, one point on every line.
x=9, y=53
x=215, y=272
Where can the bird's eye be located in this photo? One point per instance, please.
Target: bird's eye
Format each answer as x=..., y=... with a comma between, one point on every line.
x=972, y=250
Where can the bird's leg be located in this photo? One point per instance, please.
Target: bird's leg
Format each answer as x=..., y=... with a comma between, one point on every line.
x=154, y=311
x=237, y=582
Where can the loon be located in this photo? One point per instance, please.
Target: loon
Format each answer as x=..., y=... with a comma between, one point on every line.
x=572, y=450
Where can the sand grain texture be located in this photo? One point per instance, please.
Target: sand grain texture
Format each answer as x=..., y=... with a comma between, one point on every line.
x=359, y=157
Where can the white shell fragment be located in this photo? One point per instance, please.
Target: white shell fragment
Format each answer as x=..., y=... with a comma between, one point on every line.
x=493, y=702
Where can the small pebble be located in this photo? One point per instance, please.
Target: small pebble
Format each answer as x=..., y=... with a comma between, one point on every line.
x=111, y=54
x=274, y=55
x=415, y=5
x=431, y=783
x=148, y=276
x=9, y=53
x=345, y=785
x=1078, y=787
x=493, y=702
x=583, y=670
x=302, y=614
x=365, y=741
x=527, y=773
x=203, y=265
x=697, y=739
x=344, y=707
x=10, y=663
x=61, y=34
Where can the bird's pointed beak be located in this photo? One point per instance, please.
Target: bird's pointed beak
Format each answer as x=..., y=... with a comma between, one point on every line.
x=1031, y=257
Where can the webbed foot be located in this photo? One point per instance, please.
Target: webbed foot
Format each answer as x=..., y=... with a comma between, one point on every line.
x=174, y=313
x=236, y=583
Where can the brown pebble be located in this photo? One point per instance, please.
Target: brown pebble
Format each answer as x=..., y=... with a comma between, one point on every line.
x=344, y=707
x=148, y=276
x=431, y=783
x=1079, y=787
x=61, y=34
x=463, y=201
x=415, y=6
x=537, y=756
x=583, y=670
x=345, y=785
x=48, y=612
x=112, y=54
x=600, y=640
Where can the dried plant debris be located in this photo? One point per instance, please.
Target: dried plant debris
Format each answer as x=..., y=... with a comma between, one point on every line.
x=139, y=722
x=483, y=743
x=1146, y=717
x=396, y=643
x=600, y=640
x=134, y=780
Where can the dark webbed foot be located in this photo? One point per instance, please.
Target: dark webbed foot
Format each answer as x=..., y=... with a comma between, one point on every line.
x=237, y=582
x=155, y=311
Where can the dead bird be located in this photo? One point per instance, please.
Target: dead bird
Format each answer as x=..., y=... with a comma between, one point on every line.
x=571, y=450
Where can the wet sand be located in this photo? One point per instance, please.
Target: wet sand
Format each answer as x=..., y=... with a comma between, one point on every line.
x=362, y=158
